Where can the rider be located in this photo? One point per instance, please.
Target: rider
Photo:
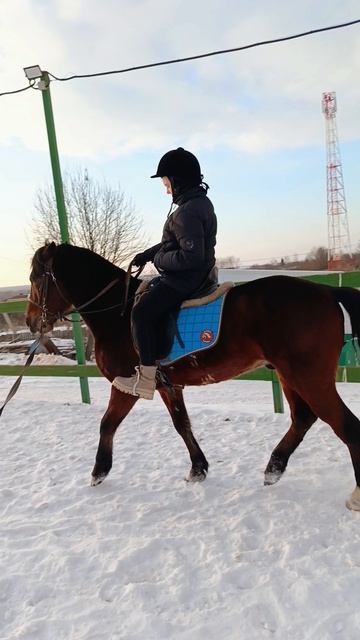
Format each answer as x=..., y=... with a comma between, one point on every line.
x=184, y=258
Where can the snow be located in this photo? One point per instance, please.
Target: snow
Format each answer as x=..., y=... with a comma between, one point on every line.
x=148, y=556
x=49, y=359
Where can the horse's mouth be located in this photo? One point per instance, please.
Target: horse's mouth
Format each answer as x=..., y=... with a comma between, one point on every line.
x=36, y=324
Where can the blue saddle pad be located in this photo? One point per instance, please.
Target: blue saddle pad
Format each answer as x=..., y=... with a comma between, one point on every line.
x=198, y=328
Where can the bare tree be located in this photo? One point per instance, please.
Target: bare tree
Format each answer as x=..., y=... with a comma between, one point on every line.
x=99, y=216
x=317, y=258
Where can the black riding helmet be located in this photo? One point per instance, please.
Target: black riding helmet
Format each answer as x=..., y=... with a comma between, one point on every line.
x=181, y=165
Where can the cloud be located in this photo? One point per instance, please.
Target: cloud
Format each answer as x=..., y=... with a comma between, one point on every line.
x=260, y=100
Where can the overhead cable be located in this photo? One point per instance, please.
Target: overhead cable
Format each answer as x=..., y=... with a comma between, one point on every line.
x=205, y=55
x=188, y=58
x=9, y=93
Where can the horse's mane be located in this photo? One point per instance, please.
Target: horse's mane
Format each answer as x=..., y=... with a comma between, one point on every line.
x=66, y=254
x=91, y=258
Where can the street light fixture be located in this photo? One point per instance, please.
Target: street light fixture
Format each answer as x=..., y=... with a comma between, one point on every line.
x=33, y=73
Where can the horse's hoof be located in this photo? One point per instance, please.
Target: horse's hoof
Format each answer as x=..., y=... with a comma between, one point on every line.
x=197, y=475
x=353, y=502
x=95, y=480
x=272, y=477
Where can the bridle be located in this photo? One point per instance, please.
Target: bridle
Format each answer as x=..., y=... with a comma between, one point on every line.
x=48, y=275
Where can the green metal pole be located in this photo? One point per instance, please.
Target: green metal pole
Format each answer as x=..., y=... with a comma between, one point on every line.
x=277, y=394
x=44, y=86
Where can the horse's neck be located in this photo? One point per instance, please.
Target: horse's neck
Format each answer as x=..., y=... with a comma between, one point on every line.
x=86, y=287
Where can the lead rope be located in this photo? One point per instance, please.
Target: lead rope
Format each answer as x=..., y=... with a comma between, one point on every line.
x=17, y=383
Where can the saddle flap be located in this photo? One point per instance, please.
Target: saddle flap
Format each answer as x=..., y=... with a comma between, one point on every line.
x=198, y=328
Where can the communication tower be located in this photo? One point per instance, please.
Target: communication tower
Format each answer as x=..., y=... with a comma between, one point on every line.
x=339, y=247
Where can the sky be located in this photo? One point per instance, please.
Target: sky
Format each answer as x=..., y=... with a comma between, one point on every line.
x=253, y=118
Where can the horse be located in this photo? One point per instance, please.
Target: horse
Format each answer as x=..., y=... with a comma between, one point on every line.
x=292, y=325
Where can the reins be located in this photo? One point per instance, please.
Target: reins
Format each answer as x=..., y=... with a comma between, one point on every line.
x=60, y=316
x=127, y=284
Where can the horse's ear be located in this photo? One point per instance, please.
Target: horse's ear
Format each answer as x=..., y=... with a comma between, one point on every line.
x=49, y=250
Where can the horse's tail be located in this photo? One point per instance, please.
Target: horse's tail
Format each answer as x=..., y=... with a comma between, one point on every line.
x=350, y=299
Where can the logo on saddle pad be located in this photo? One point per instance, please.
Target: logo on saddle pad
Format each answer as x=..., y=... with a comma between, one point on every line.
x=207, y=336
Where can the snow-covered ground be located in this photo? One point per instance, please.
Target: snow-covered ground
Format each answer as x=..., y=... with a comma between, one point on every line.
x=147, y=556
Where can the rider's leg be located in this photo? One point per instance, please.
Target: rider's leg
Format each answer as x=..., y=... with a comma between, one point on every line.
x=158, y=300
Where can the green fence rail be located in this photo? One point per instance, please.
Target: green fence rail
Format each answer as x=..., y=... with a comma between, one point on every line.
x=13, y=306
x=348, y=370
x=346, y=279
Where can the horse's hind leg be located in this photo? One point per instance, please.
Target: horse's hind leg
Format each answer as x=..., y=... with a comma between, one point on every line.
x=302, y=418
x=119, y=406
x=352, y=435
x=174, y=402
x=347, y=427
x=325, y=401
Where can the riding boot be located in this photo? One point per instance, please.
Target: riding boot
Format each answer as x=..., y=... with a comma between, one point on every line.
x=141, y=384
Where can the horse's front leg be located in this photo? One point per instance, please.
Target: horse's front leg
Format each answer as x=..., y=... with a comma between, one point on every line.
x=119, y=406
x=174, y=402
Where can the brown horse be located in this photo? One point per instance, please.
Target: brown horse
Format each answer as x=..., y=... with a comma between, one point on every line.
x=294, y=325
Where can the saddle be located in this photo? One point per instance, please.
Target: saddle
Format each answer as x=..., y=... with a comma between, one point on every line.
x=170, y=343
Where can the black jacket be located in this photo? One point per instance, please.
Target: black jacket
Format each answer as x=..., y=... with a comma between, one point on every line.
x=186, y=253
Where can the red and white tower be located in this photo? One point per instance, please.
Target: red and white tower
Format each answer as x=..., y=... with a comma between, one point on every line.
x=339, y=247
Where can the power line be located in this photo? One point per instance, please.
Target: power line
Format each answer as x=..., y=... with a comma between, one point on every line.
x=188, y=58
x=206, y=55
x=8, y=93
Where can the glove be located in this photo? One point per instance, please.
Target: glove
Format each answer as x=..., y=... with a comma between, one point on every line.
x=140, y=259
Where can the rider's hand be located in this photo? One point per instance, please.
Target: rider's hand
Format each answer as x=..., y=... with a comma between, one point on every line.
x=140, y=259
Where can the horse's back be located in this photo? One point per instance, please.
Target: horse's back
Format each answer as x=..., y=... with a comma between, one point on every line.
x=279, y=293
x=284, y=311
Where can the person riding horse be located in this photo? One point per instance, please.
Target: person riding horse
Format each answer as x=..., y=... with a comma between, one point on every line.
x=185, y=260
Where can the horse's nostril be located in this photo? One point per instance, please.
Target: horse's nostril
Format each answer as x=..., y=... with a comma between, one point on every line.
x=31, y=323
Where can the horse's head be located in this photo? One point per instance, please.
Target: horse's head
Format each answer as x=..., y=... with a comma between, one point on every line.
x=46, y=301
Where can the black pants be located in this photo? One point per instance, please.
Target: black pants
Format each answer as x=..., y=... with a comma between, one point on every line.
x=159, y=300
